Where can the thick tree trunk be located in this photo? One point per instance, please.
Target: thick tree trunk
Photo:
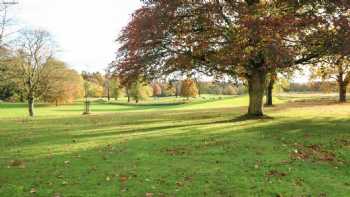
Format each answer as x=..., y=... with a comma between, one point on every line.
x=342, y=92
x=257, y=84
x=31, y=106
x=269, y=90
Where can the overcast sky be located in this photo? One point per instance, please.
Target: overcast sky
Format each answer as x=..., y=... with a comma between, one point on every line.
x=84, y=30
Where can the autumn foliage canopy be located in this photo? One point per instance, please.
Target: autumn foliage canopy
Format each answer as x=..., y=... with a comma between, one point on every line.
x=245, y=38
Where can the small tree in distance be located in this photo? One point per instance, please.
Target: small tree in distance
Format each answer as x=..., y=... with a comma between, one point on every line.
x=335, y=68
x=230, y=90
x=139, y=91
x=116, y=88
x=189, y=89
x=157, y=90
x=62, y=86
x=168, y=89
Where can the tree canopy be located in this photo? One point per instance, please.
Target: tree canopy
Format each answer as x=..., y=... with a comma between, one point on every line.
x=236, y=38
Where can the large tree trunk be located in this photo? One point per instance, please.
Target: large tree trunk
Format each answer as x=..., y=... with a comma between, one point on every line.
x=342, y=92
x=269, y=99
x=257, y=84
x=31, y=106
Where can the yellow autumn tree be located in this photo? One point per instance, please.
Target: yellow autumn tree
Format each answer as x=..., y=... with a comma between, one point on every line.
x=189, y=89
x=62, y=86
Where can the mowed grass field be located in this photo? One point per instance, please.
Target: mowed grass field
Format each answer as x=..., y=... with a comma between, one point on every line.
x=171, y=148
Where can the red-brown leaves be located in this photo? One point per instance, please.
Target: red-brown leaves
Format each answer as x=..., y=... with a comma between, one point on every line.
x=17, y=163
x=177, y=151
x=123, y=179
x=312, y=152
x=224, y=37
x=275, y=173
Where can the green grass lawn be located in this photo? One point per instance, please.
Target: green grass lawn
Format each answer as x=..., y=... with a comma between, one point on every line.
x=171, y=148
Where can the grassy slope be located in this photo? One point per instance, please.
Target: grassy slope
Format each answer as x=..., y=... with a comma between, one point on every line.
x=197, y=149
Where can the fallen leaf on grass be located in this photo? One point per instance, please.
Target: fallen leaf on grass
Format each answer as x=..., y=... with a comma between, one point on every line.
x=176, y=151
x=276, y=173
x=314, y=152
x=188, y=178
x=322, y=195
x=123, y=178
x=343, y=142
x=17, y=163
x=299, y=182
x=149, y=194
x=57, y=195
x=33, y=191
x=179, y=184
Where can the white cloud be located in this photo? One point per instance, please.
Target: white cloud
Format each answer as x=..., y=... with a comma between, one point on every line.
x=85, y=30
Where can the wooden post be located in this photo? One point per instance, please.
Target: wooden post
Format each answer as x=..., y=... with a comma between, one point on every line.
x=86, y=107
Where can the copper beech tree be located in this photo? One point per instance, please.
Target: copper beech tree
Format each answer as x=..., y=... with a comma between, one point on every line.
x=244, y=38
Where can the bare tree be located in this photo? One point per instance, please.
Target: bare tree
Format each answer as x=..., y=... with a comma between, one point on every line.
x=6, y=21
x=31, y=63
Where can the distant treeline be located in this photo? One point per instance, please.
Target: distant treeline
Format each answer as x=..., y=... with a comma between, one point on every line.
x=98, y=85
x=317, y=86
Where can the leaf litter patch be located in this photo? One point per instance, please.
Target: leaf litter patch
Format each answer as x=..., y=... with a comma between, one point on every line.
x=314, y=153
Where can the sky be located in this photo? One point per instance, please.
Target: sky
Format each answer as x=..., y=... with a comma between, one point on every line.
x=84, y=30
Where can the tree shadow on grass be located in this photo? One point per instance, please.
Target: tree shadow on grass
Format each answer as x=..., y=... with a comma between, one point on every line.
x=147, y=106
x=177, y=151
x=20, y=105
x=165, y=104
x=303, y=104
x=63, y=130
x=247, y=117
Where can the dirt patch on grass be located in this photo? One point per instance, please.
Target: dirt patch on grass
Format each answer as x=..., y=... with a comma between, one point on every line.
x=313, y=152
x=177, y=151
x=343, y=142
x=16, y=163
x=275, y=173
